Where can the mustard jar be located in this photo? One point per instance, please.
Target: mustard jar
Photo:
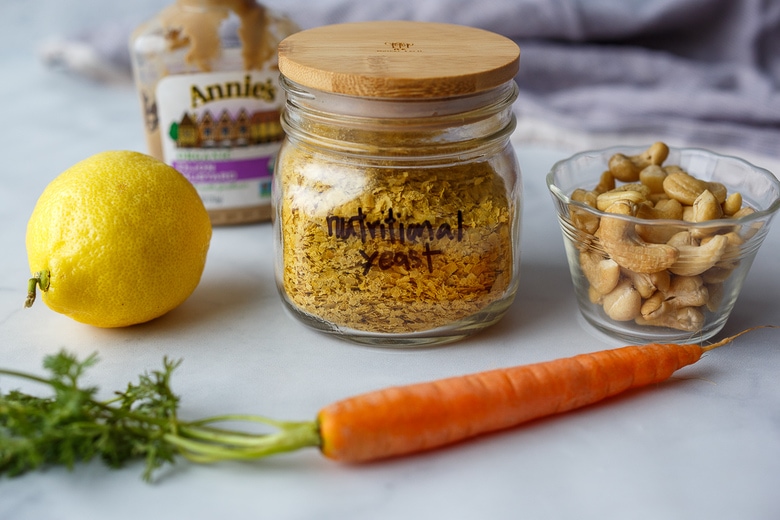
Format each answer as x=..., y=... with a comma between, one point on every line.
x=396, y=200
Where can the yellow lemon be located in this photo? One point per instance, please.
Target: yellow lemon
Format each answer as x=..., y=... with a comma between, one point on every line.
x=117, y=239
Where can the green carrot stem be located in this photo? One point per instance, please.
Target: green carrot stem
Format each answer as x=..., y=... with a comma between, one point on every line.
x=206, y=446
x=244, y=418
x=23, y=375
x=300, y=433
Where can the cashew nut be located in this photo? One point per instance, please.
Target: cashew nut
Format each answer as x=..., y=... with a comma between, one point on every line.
x=582, y=219
x=682, y=239
x=648, y=284
x=605, y=200
x=683, y=187
x=627, y=168
x=731, y=255
x=620, y=241
x=705, y=208
x=688, y=319
x=683, y=291
x=732, y=204
x=653, y=307
x=653, y=177
x=602, y=273
x=695, y=259
x=606, y=182
x=623, y=302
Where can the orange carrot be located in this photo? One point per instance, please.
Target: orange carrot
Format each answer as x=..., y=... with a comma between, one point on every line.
x=143, y=421
x=407, y=419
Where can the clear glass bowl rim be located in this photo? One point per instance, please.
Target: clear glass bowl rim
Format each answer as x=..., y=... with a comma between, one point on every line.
x=759, y=214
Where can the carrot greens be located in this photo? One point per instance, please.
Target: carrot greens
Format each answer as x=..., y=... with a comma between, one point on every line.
x=73, y=425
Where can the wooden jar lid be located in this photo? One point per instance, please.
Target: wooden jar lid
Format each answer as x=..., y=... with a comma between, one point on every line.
x=398, y=59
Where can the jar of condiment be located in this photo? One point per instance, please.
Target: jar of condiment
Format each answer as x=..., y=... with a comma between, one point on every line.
x=207, y=76
x=397, y=193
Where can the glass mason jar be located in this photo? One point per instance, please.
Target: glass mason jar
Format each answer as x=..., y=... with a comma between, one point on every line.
x=207, y=75
x=397, y=204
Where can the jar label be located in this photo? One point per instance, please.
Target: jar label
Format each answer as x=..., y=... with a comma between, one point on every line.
x=391, y=230
x=221, y=130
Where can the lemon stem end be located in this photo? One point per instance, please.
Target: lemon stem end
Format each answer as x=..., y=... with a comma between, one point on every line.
x=39, y=279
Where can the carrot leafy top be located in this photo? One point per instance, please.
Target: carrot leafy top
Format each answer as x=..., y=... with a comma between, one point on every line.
x=141, y=422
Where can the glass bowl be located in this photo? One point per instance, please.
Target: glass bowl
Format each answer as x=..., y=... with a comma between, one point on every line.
x=644, y=272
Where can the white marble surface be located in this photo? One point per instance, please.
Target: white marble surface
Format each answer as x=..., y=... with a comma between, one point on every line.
x=704, y=445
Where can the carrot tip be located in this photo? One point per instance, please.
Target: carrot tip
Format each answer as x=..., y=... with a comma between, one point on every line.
x=728, y=340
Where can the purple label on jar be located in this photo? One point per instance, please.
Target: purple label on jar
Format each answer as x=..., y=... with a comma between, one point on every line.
x=235, y=170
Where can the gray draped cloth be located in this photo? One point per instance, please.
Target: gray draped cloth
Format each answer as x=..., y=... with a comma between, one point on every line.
x=702, y=71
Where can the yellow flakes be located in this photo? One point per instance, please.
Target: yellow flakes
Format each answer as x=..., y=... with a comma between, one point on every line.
x=385, y=250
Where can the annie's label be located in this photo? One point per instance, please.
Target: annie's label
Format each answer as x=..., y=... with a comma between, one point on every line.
x=221, y=130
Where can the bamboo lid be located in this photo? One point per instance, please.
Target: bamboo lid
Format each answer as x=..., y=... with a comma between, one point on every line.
x=398, y=59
